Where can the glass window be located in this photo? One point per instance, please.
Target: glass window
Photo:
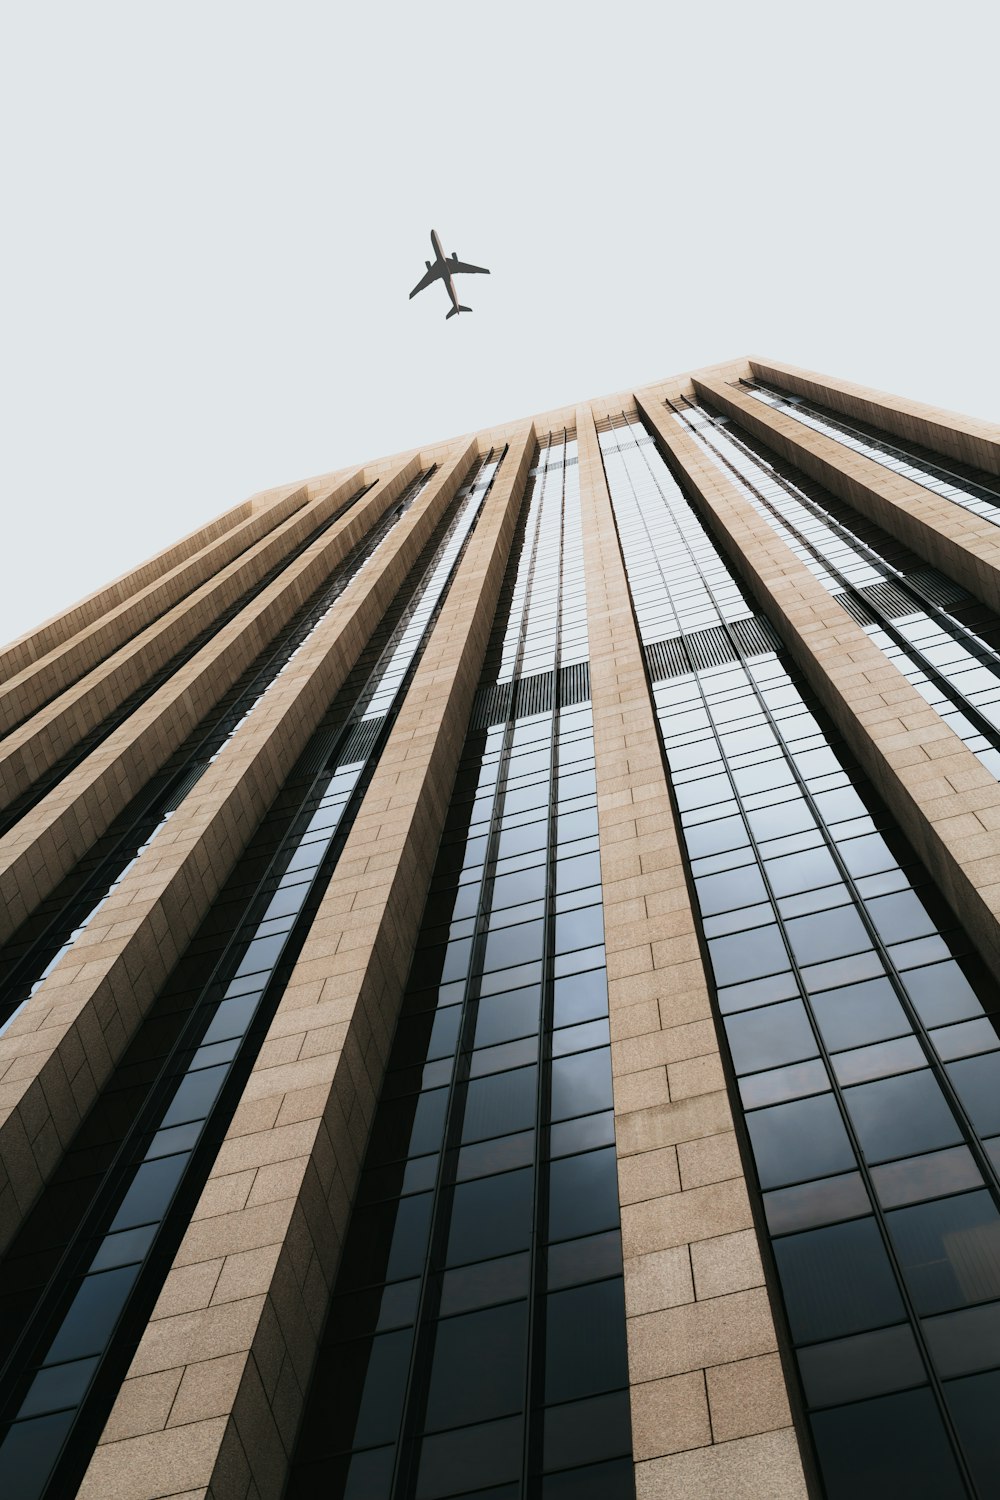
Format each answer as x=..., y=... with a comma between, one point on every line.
x=928, y=1176
x=469, y=1458
x=748, y=955
x=903, y=1055
x=778, y=1084
x=862, y=1013
x=92, y=1314
x=813, y=1203
x=828, y=934
x=894, y=1445
x=580, y=997
x=484, y=1283
x=581, y=1084
x=491, y=1216
x=598, y=1427
x=502, y=1104
x=977, y=1083
x=58, y=1387
x=386, y=1242
x=901, y=1116
x=608, y=1481
x=866, y=1364
x=900, y=917
x=730, y=889
x=962, y=1342
x=837, y=1280
x=590, y=1259
x=583, y=1194
x=973, y=1403
x=941, y=993
x=150, y=1192
x=799, y=1141
x=478, y=1367
x=949, y=1250
x=585, y=1341
x=770, y=1036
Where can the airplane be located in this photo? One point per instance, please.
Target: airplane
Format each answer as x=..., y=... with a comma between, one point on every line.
x=444, y=269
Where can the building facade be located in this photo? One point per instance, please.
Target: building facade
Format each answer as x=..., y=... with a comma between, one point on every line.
x=499, y=966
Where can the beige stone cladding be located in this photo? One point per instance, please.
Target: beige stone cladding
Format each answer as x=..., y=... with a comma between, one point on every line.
x=968, y=439
x=709, y=1411
x=56, y=1056
x=213, y=1397
x=64, y=664
x=35, y=745
x=39, y=849
x=961, y=544
x=944, y=799
x=53, y=632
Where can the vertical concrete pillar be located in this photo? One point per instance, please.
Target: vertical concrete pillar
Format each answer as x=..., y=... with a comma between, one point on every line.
x=215, y=1393
x=961, y=544
x=971, y=440
x=59, y=1052
x=710, y=1416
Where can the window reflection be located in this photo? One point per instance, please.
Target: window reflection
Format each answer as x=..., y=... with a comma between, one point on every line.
x=508, y=998
x=855, y=1017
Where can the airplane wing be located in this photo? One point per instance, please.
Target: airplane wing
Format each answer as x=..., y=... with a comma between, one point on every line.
x=459, y=265
x=431, y=275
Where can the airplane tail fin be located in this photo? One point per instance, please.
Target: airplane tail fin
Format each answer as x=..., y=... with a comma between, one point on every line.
x=455, y=310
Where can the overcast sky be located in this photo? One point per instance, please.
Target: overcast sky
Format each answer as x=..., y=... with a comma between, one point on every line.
x=215, y=212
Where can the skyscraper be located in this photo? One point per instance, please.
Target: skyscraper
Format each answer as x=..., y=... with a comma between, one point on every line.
x=499, y=986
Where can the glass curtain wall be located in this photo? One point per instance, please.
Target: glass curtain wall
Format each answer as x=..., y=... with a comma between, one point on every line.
x=859, y=1027
x=84, y=1272
x=948, y=478
x=28, y=959
x=954, y=669
x=476, y=1340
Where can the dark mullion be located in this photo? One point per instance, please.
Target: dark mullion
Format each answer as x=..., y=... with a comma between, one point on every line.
x=534, y=1415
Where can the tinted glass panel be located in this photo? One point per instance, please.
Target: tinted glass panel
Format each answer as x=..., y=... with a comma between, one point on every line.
x=949, y=1250
x=895, y=1445
x=794, y=1142
x=901, y=1116
x=837, y=1280
x=490, y=1216
x=478, y=1366
x=585, y=1341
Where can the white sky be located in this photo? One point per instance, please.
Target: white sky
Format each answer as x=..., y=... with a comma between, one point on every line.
x=215, y=212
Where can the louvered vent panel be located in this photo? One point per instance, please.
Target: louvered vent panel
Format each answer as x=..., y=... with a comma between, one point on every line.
x=533, y=695
x=492, y=705
x=188, y=780
x=361, y=741
x=680, y=654
x=937, y=588
x=755, y=637
x=891, y=600
x=855, y=608
x=574, y=684
x=618, y=419
x=710, y=648
x=667, y=659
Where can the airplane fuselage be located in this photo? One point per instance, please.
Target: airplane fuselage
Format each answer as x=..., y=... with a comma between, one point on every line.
x=445, y=277
x=445, y=268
